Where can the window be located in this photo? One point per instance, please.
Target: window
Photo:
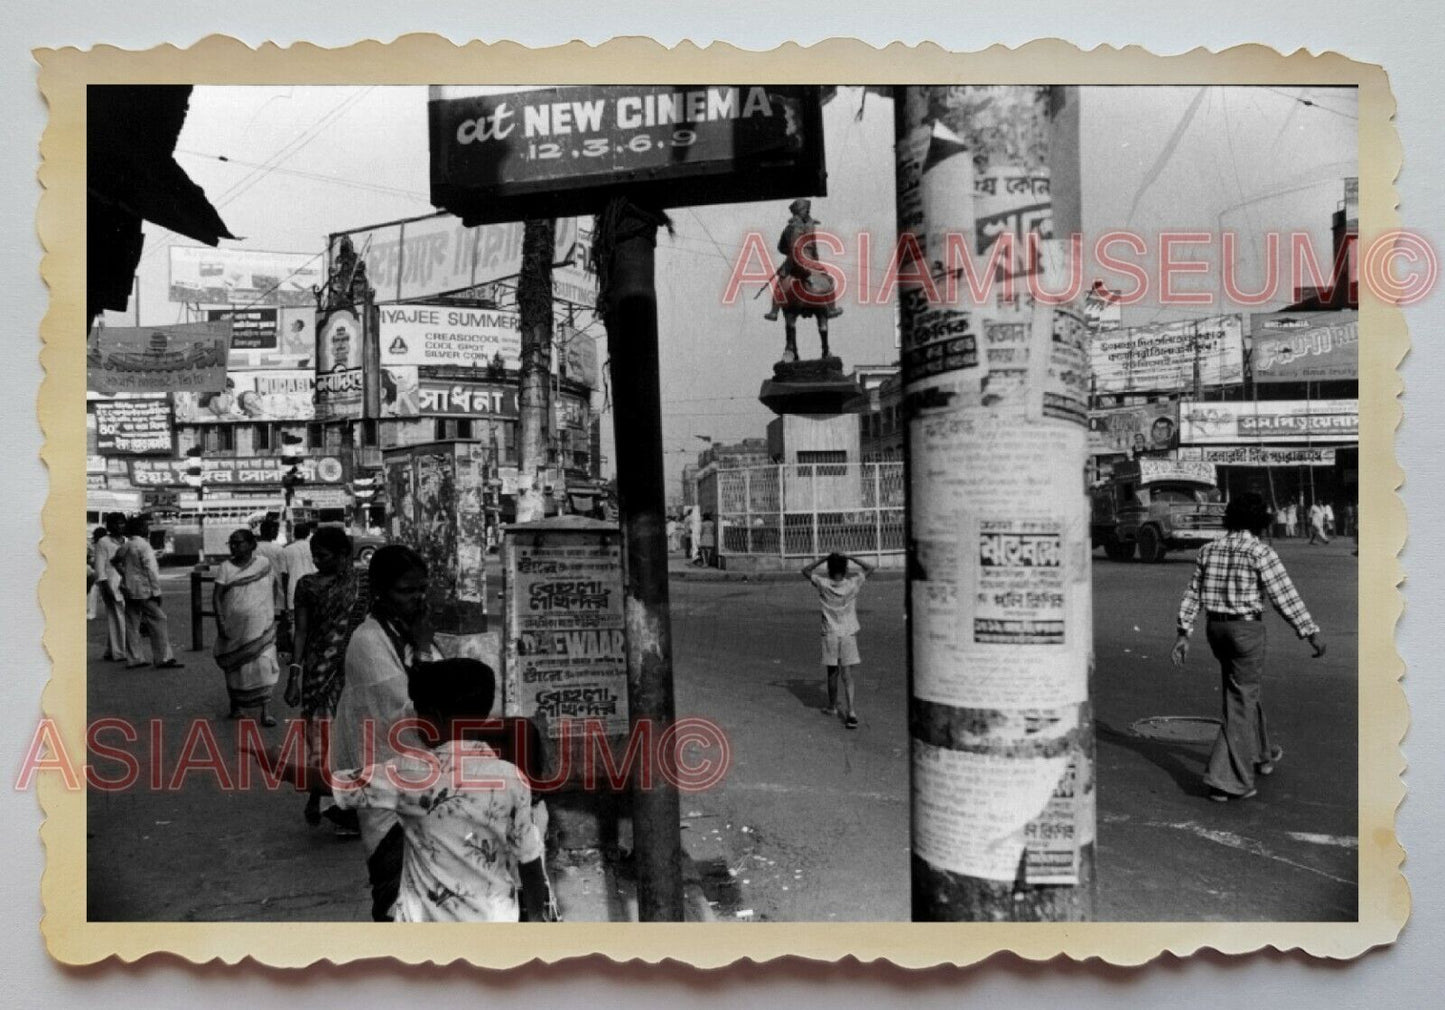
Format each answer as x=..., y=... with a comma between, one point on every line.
x=368, y=434
x=261, y=437
x=314, y=436
x=227, y=439
x=453, y=427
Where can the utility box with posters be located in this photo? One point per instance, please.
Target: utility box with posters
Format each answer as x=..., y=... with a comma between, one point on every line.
x=566, y=646
x=565, y=668
x=436, y=492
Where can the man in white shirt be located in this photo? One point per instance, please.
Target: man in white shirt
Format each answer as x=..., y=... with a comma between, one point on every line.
x=296, y=562
x=140, y=575
x=107, y=580
x=838, y=597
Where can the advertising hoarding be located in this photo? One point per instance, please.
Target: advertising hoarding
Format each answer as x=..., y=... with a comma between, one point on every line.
x=1305, y=346
x=1269, y=421
x=340, y=381
x=234, y=472
x=1163, y=357
x=158, y=359
x=134, y=427
x=448, y=335
x=201, y=275
x=264, y=395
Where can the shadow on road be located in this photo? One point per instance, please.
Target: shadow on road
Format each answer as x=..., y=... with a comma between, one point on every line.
x=812, y=692
x=1168, y=755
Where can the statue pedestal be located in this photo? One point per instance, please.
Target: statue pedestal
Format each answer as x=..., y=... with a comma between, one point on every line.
x=808, y=387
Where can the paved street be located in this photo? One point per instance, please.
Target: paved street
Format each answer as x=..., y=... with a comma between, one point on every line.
x=812, y=821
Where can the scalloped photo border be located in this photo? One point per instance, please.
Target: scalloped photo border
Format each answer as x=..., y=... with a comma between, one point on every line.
x=1384, y=900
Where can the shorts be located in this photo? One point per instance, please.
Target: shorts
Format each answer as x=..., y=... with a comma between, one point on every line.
x=840, y=650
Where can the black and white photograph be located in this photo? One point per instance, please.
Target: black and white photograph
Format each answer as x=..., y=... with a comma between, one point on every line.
x=735, y=503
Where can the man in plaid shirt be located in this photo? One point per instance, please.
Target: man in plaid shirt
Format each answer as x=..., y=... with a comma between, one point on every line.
x=1233, y=577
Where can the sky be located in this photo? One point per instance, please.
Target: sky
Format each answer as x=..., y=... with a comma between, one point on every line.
x=303, y=162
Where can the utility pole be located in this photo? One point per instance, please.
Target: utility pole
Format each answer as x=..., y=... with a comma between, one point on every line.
x=534, y=305
x=626, y=240
x=1000, y=639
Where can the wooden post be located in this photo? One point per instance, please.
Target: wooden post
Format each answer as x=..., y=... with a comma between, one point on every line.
x=627, y=239
x=998, y=596
x=534, y=303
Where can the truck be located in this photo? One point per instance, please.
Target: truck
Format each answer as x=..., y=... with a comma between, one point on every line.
x=1155, y=506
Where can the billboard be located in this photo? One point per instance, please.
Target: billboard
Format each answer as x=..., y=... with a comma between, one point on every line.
x=1260, y=455
x=339, y=374
x=134, y=427
x=554, y=152
x=1305, y=346
x=235, y=471
x=1162, y=357
x=406, y=391
x=448, y=335
x=577, y=357
x=201, y=275
x=158, y=359
x=438, y=254
x=259, y=396
x=270, y=338
x=1136, y=430
x=1273, y=421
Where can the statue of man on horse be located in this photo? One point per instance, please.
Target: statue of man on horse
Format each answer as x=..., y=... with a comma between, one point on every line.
x=797, y=290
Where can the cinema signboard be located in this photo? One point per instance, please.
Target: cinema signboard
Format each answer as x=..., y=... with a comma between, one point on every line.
x=555, y=152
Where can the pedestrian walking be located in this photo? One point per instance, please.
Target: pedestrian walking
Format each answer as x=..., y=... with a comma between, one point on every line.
x=295, y=562
x=1233, y=577
x=1292, y=520
x=140, y=584
x=109, y=599
x=1329, y=519
x=674, y=537
x=246, y=602
x=329, y=605
x=1317, y=524
x=1281, y=521
x=707, y=541
x=388, y=645
x=838, y=595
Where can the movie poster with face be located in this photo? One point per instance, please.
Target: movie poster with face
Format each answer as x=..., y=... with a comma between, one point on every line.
x=339, y=382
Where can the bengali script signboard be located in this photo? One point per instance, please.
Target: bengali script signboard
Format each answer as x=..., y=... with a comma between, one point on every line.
x=556, y=152
x=565, y=622
x=1269, y=421
x=1163, y=357
x=340, y=378
x=1259, y=455
x=1305, y=346
x=405, y=393
x=134, y=427
x=158, y=359
x=434, y=255
x=239, y=471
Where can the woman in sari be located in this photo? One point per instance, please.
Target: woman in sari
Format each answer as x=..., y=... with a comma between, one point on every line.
x=246, y=603
x=388, y=645
x=329, y=604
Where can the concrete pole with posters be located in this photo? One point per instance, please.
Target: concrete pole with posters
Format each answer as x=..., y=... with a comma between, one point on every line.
x=534, y=304
x=625, y=243
x=1000, y=641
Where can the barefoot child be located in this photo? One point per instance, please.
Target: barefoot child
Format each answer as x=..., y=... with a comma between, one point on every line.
x=838, y=594
x=466, y=813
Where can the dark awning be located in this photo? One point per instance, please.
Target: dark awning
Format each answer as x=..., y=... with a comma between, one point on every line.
x=132, y=175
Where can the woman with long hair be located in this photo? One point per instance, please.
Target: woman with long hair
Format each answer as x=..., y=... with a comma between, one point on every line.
x=245, y=602
x=329, y=605
x=383, y=651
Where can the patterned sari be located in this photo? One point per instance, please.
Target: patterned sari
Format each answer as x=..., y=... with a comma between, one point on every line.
x=246, y=652
x=334, y=606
